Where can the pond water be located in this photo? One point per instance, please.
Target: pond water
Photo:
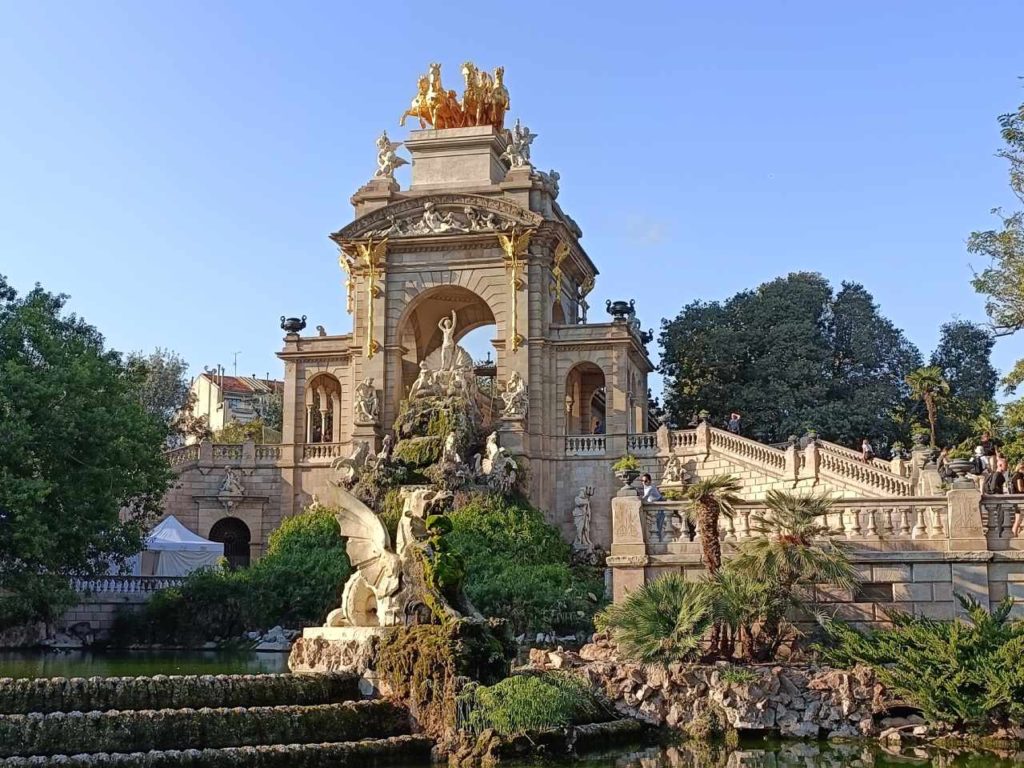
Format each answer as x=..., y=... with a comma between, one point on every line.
x=128, y=663
x=775, y=754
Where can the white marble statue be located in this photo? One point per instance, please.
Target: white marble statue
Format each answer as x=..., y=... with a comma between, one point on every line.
x=447, y=326
x=517, y=153
x=550, y=180
x=367, y=406
x=425, y=382
x=386, y=447
x=450, y=455
x=514, y=397
x=387, y=160
x=674, y=472
x=581, y=519
x=232, y=484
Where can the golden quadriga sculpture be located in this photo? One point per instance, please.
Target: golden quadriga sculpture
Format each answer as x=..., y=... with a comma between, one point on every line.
x=484, y=100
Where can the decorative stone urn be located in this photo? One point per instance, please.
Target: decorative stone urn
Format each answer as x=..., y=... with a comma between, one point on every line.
x=292, y=324
x=960, y=468
x=620, y=310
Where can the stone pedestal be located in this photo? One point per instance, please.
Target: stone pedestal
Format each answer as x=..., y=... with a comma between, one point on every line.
x=374, y=194
x=371, y=433
x=512, y=436
x=456, y=157
x=628, y=556
x=964, y=524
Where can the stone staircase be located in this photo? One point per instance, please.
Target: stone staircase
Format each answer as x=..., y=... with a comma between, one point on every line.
x=224, y=720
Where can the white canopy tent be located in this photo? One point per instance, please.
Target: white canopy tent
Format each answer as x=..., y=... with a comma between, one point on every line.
x=179, y=551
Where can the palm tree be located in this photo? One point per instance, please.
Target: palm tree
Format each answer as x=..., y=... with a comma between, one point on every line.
x=791, y=550
x=712, y=498
x=927, y=385
x=665, y=620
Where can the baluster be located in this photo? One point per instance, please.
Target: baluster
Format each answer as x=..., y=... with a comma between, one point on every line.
x=850, y=521
x=919, y=526
x=939, y=530
x=904, y=522
x=889, y=530
x=872, y=531
x=745, y=524
x=858, y=526
x=730, y=529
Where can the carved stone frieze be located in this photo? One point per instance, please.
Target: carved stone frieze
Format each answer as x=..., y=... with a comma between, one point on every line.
x=439, y=214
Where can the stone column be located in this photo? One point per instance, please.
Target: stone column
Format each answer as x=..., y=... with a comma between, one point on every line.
x=309, y=423
x=335, y=417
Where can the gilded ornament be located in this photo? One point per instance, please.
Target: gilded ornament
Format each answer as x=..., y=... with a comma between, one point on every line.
x=515, y=247
x=559, y=257
x=485, y=99
x=367, y=260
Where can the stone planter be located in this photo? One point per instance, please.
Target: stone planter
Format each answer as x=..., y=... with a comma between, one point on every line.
x=628, y=477
x=292, y=324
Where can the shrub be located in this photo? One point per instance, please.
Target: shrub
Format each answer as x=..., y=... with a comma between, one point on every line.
x=525, y=703
x=296, y=583
x=663, y=621
x=964, y=673
x=517, y=566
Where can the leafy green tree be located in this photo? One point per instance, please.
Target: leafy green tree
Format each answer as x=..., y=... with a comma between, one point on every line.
x=964, y=358
x=81, y=465
x=1002, y=282
x=163, y=385
x=789, y=356
x=927, y=385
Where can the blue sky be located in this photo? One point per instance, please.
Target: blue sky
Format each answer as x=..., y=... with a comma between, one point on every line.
x=176, y=167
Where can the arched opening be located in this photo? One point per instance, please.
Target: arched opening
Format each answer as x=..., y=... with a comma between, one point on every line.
x=421, y=336
x=323, y=409
x=585, y=408
x=235, y=536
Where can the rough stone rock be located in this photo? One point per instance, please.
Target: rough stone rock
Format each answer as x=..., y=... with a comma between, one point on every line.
x=802, y=701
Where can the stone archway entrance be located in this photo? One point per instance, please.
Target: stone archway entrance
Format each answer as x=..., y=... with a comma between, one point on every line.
x=585, y=400
x=235, y=536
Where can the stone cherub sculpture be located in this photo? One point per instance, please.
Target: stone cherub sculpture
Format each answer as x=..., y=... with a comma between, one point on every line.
x=674, y=471
x=514, y=397
x=581, y=513
x=517, y=153
x=387, y=159
x=366, y=405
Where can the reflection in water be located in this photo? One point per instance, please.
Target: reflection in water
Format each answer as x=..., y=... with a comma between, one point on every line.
x=791, y=754
x=138, y=663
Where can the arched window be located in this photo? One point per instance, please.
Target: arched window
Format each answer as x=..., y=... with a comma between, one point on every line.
x=323, y=409
x=585, y=406
x=235, y=536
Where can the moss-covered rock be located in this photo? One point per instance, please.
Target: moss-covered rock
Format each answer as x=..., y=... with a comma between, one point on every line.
x=419, y=452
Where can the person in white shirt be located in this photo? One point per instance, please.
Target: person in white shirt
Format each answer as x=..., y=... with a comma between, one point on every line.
x=651, y=493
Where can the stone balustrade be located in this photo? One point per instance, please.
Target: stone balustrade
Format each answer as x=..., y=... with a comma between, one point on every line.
x=324, y=452
x=125, y=585
x=841, y=450
x=642, y=444
x=885, y=523
x=585, y=445
x=207, y=454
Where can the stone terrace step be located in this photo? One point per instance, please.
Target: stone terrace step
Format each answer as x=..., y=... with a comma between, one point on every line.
x=79, y=694
x=182, y=729
x=397, y=749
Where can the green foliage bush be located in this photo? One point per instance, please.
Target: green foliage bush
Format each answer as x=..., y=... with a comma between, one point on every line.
x=964, y=673
x=518, y=568
x=524, y=703
x=663, y=621
x=296, y=583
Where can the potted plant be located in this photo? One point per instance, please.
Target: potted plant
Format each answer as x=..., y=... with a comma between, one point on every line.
x=627, y=469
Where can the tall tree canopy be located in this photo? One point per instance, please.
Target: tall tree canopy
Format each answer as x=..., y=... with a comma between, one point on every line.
x=163, y=382
x=963, y=358
x=791, y=355
x=81, y=464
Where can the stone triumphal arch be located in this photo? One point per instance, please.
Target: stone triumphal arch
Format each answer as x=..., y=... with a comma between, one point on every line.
x=478, y=232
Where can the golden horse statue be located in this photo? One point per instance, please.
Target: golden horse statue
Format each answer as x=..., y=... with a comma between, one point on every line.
x=485, y=99
x=418, y=108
